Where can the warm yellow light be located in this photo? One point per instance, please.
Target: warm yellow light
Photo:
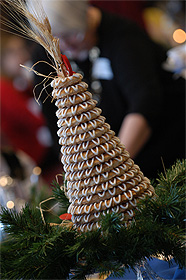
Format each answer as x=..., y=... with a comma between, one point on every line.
x=10, y=204
x=9, y=181
x=6, y=180
x=3, y=181
x=179, y=36
x=37, y=170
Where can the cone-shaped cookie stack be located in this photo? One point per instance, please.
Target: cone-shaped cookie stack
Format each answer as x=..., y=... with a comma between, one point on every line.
x=101, y=176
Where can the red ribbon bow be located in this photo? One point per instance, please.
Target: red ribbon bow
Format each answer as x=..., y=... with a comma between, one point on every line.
x=67, y=64
x=65, y=216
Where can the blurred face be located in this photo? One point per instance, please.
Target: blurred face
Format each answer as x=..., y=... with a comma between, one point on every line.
x=14, y=54
x=77, y=44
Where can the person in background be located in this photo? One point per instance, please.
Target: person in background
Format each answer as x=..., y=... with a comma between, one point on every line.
x=129, y=9
x=23, y=126
x=141, y=101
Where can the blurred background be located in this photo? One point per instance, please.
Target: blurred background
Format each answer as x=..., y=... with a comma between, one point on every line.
x=28, y=164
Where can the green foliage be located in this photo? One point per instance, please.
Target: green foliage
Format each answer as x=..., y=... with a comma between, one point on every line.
x=59, y=194
x=38, y=194
x=32, y=249
x=174, y=176
x=37, y=251
x=169, y=205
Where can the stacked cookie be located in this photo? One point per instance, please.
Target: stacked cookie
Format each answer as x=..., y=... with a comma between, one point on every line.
x=101, y=176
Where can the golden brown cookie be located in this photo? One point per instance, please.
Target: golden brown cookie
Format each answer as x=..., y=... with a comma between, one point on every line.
x=84, y=146
x=119, y=181
x=101, y=178
x=111, y=198
x=81, y=128
x=107, y=186
x=129, y=189
x=76, y=110
x=87, y=136
x=123, y=201
x=97, y=158
x=59, y=84
x=76, y=120
x=98, y=152
x=101, y=168
x=73, y=99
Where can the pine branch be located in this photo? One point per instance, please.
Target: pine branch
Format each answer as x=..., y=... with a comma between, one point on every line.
x=176, y=175
x=32, y=253
x=169, y=206
x=60, y=195
x=38, y=259
x=111, y=224
x=26, y=223
x=37, y=251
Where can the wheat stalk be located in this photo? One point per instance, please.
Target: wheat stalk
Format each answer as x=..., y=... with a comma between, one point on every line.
x=30, y=20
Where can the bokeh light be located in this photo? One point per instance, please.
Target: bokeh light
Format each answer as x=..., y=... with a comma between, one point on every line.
x=3, y=181
x=9, y=180
x=6, y=180
x=10, y=204
x=179, y=36
x=37, y=170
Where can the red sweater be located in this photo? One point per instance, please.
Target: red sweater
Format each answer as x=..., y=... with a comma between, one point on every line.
x=18, y=124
